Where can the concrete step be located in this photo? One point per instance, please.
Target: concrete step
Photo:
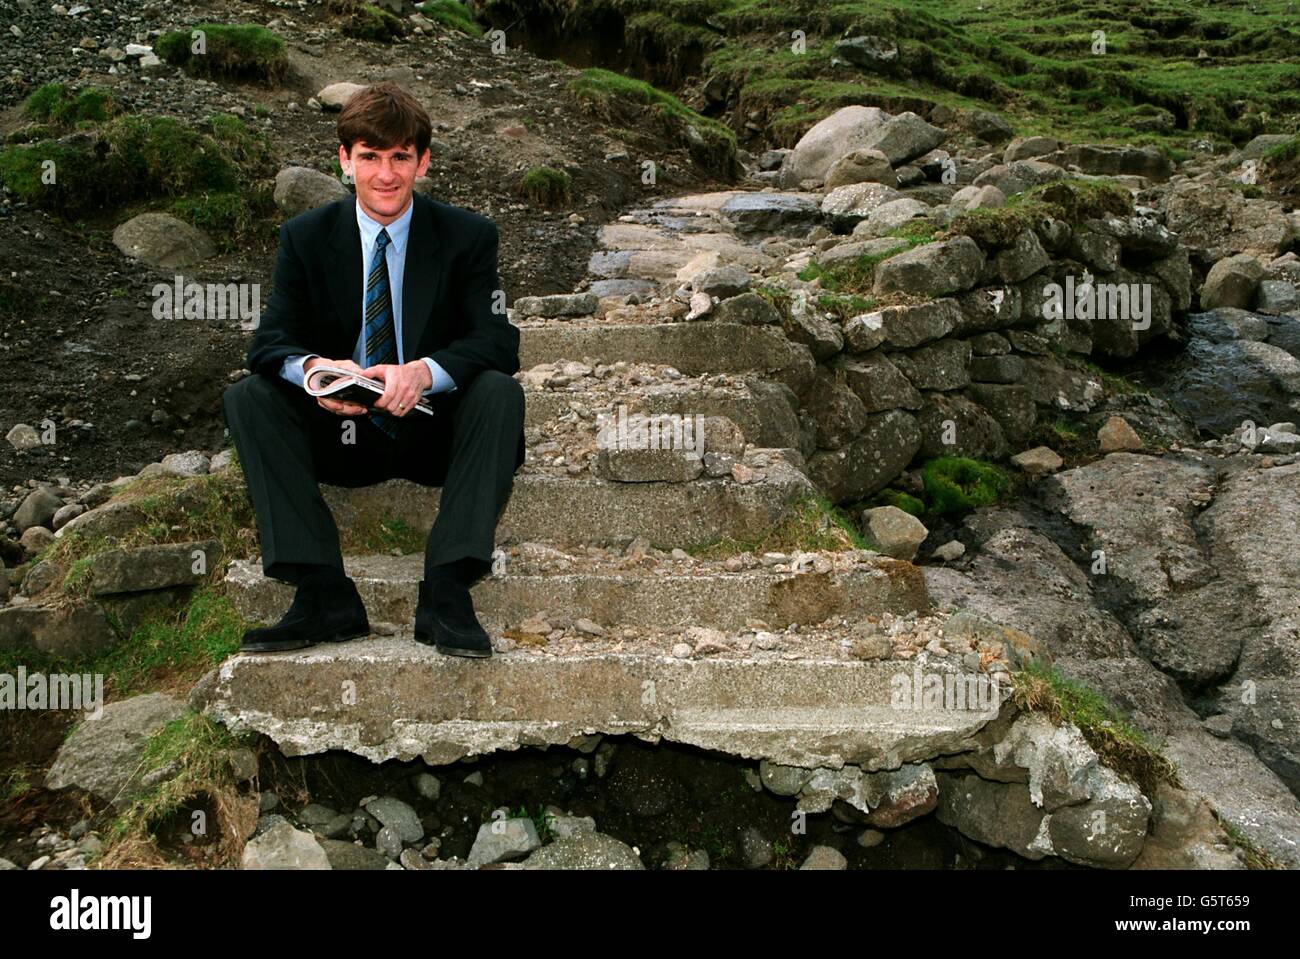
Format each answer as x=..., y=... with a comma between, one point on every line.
x=391, y=698
x=764, y=411
x=586, y=509
x=645, y=592
x=692, y=348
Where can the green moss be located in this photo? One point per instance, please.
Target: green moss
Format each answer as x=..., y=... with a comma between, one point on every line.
x=545, y=186
x=956, y=484
x=904, y=501
x=391, y=533
x=855, y=276
x=199, y=636
x=451, y=13
x=237, y=51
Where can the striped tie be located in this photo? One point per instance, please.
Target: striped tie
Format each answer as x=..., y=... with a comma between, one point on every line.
x=381, y=338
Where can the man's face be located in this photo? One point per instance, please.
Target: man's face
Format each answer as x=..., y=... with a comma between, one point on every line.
x=384, y=179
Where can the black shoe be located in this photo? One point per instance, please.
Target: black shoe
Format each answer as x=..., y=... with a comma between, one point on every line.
x=326, y=608
x=444, y=619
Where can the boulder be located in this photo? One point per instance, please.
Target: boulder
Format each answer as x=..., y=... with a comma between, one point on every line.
x=844, y=131
x=299, y=189
x=161, y=240
x=1232, y=282
x=863, y=165
x=894, y=532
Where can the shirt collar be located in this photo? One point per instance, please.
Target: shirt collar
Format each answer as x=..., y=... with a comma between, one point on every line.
x=398, y=230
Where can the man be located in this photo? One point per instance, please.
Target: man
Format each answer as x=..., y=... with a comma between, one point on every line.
x=405, y=290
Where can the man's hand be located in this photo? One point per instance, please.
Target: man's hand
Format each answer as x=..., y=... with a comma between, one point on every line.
x=403, y=385
x=336, y=406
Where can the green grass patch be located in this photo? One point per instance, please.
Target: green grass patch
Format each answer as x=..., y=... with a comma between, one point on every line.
x=193, y=639
x=59, y=104
x=545, y=186
x=1256, y=858
x=1118, y=742
x=623, y=100
x=213, y=176
x=368, y=22
x=451, y=13
x=1284, y=151
x=236, y=51
x=192, y=757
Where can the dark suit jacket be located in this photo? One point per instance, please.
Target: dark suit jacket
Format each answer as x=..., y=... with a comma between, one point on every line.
x=448, y=289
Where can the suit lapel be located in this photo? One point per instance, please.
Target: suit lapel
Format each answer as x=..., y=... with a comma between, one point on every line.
x=418, y=277
x=345, y=269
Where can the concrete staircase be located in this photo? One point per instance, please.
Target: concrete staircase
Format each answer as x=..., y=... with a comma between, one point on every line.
x=604, y=622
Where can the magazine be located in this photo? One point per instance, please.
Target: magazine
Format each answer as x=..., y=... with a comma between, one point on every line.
x=340, y=384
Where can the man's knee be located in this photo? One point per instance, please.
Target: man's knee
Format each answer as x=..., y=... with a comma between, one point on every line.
x=253, y=395
x=500, y=388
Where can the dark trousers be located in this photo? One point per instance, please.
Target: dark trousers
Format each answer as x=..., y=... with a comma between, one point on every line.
x=287, y=444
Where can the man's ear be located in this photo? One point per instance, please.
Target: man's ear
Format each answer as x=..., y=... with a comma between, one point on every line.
x=344, y=159
x=423, y=163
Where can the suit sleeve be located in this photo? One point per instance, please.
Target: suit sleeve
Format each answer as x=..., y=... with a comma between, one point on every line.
x=492, y=341
x=283, y=330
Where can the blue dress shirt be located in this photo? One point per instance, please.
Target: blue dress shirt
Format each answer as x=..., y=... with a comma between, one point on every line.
x=398, y=233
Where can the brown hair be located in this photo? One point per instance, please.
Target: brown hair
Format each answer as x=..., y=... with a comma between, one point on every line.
x=384, y=115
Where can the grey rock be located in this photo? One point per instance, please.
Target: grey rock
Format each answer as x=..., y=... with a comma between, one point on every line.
x=585, y=851
x=161, y=240
x=102, y=755
x=503, y=839
x=299, y=189
x=283, y=847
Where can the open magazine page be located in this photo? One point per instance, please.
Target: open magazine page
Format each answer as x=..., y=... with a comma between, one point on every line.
x=338, y=383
